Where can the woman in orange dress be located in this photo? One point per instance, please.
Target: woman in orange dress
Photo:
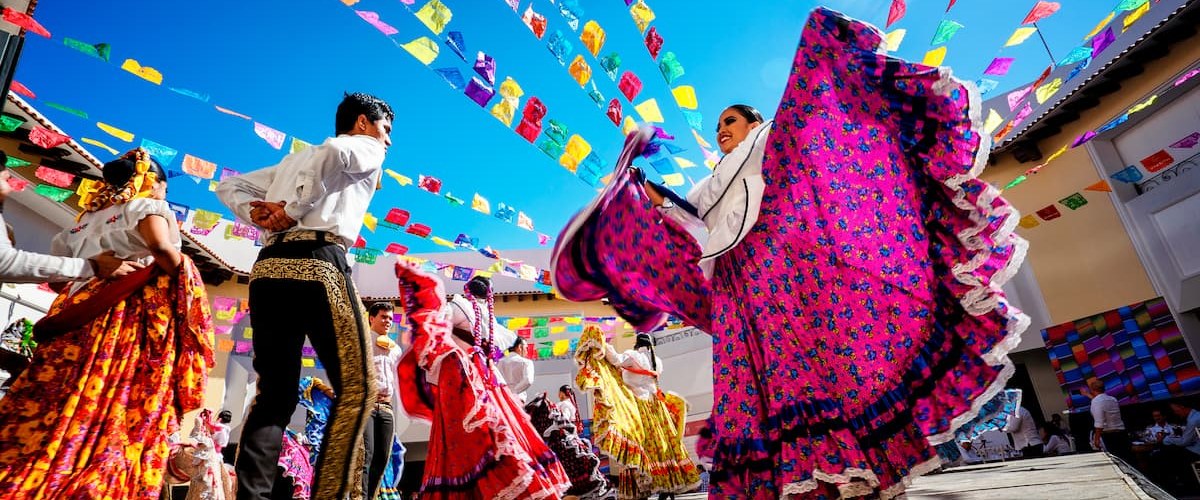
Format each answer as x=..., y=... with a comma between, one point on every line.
x=119, y=362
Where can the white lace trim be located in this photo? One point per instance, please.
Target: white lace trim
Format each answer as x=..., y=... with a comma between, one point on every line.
x=855, y=482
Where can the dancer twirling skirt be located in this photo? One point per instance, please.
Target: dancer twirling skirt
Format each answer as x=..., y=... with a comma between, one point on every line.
x=858, y=317
x=574, y=453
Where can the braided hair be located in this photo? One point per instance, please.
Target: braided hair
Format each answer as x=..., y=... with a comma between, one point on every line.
x=481, y=287
x=645, y=340
x=566, y=389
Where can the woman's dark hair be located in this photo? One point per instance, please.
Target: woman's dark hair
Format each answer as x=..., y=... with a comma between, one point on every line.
x=574, y=402
x=748, y=112
x=225, y=416
x=119, y=171
x=479, y=286
x=356, y=104
x=517, y=345
x=645, y=340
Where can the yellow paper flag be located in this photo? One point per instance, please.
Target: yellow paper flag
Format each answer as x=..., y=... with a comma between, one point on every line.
x=593, y=37
x=573, y=320
x=1133, y=17
x=145, y=72
x=1045, y=92
x=510, y=89
x=424, y=49
x=1020, y=35
x=1143, y=105
x=298, y=145
x=558, y=329
x=442, y=241
x=504, y=111
x=580, y=70
x=642, y=15
x=673, y=180
x=649, y=111
x=370, y=221
x=435, y=16
x=1056, y=154
x=993, y=121
x=684, y=162
x=480, y=204
x=569, y=162
x=1029, y=221
x=308, y=362
x=100, y=145
x=1099, y=26
x=894, y=38
x=685, y=96
x=578, y=148
x=935, y=57
x=700, y=140
x=115, y=132
x=402, y=179
x=628, y=125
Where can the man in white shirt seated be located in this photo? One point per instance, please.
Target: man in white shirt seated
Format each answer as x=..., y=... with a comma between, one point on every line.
x=1025, y=435
x=1108, y=428
x=517, y=370
x=1179, y=447
x=1158, y=425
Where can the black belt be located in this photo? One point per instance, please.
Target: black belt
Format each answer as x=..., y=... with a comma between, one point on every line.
x=305, y=235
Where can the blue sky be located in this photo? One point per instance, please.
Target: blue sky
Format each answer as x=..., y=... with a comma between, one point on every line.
x=286, y=64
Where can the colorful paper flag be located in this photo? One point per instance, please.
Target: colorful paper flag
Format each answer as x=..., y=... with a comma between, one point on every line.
x=935, y=57
x=999, y=66
x=1143, y=105
x=198, y=167
x=524, y=222
x=372, y=18
x=10, y=123
x=654, y=43
x=1158, y=161
x=1041, y=10
x=273, y=137
x=54, y=177
x=1020, y=35
x=423, y=49
x=536, y=22
x=945, y=31
x=592, y=37
x=435, y=16
x=100, y=145
x=480, y=204
x=1077, y=54
x=54, y=193
x=896, y=12
x=457, y=44
x=1049, y=213
x=46, y=138
x=25, y=21
x=894, y=38
x=1101, y=186
x=642, y=15
x=1029, y=221
x=1188, y=142
x=1015, y=97
x=1102, y=41
x=67, y=109
x=1133, y=17
x=579, y=70
x=685, y=96
x=670, y=68
x=649, y=112
x=1129, y=175
x=1045, y=92
x=17, y=184
x=231, y=112
x=144, y=72
x=1074, y=202
x=993, y=122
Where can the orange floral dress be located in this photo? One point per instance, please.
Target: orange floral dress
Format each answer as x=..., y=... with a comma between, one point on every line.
x=89, y=418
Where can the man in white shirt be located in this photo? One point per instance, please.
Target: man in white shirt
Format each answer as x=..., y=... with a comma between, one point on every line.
x=1185, y=438
x=1158, y=428
x=1025, y=433
x=378, y=434
x=17, y=266
x=1108, y=428
x=312, y=206
x=517, y=370
x=221, y=436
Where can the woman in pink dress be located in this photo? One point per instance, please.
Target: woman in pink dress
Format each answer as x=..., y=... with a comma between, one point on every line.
x=850, y=278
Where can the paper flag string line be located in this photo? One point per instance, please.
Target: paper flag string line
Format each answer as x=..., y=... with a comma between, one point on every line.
x=25, y=21
x=935, y=57
x=372, y=18
x=144, y=72
x=435, y=16
x=423, y=49
x=896, y=12
x=1020, y=35
x=945, y=31
x=46, y=138
x=894, y=38
x=100, y=145
x=1041, y=10
x=164, y=155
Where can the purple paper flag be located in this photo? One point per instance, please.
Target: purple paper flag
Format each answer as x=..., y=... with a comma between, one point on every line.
x=999, y=66
x=479, y=92
x=1081, y=140
x=485, y=66
x=1015, y=97
x=1102, y=41
x=372, y=18
x=308, y=351
x=1022, y=114
x=513, y=4
x=1187, y=142
x=272, y=136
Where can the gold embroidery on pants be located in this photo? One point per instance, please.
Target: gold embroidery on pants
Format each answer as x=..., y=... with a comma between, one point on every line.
x=339, y=473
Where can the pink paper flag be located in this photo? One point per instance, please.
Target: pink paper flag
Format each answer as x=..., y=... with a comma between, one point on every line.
x=1023, y=114
x=54, y=177
x=1041, y=11
x=23, y=20
x=543, y=239
x=1015, y=97
x=896, y=12
x=1187, y=142
x=372, y=18
x=999, y=66
x=272, y=136
x=46, y=138
x=17, y=184
x=948, y=7
x=232, y=113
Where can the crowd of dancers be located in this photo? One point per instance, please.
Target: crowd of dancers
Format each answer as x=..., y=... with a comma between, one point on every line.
x=850, y=277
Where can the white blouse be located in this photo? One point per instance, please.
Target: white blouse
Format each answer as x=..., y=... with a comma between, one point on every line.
x=115, y=228
x=643, y=386
x=567, y=409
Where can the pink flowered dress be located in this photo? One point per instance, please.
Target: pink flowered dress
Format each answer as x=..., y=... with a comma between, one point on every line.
x=861, y=318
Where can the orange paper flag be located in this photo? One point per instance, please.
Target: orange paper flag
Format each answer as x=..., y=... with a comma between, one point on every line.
x=1101, y=186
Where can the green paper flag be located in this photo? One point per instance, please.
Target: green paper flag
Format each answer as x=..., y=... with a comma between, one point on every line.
x=552, y=148
x=65, y=109
x=1074, y=201
x=54, y=193
x=14, y=162
x=10, y=123
x=543, y=321
x=458, y=202
x=541, y=332
x=1126, y=5
x=100, y=50
x=544, y=351
x=670, y=67
x=945, y=31
x=1018, y=180
x=611, y=63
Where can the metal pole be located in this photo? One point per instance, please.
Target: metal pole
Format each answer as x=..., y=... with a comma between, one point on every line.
x=1053, y=61
x=19, y=300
